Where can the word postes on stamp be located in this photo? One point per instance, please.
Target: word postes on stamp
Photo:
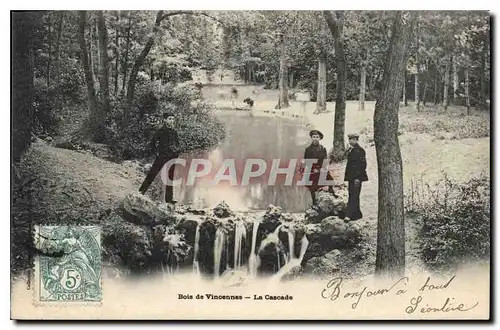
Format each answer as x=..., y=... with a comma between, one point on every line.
x=68, y=265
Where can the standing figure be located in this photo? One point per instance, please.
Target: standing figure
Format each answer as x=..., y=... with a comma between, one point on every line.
x=316, y=151
x=165, y=144
x=355, y=174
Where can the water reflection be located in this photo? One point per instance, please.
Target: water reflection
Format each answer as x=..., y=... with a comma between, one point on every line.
x=247, y=137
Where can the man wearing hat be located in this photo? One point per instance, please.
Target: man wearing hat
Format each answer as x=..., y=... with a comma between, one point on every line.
x=316, y=151
x=355, y=174
x=165, y=144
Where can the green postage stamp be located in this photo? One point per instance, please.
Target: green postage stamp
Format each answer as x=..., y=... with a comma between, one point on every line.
x=68, y=263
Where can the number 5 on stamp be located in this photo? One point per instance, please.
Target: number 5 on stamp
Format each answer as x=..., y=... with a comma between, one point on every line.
x=68, y=264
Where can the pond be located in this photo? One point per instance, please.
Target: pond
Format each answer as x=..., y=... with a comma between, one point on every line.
x=262, y=137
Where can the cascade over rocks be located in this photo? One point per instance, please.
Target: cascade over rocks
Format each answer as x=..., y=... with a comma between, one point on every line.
x=144, y=236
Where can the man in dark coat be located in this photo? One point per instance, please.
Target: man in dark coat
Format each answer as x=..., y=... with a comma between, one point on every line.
x=165, y=144
x=316, y=151
x=355, y=174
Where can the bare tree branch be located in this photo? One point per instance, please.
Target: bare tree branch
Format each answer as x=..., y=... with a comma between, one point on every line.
x=195, y=13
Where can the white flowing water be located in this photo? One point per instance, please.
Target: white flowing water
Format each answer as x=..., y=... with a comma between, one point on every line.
x=291, y=244
x=218, y=248
x=239, y=236
x=294, y=262
x=196, y=265
x=253, y=260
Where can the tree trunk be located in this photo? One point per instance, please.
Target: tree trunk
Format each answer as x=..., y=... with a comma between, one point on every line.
x=435, y=93
x=91, y=51
x=482, y=78
x=405, y=100
x=98, y=49
x=362, y=88
x=321, y=95
x=145, y=51
x=455, y=82
x=335, y=26
x=104, y=59
x=424, y=96
x=417, y=99
x=127, y=47
x=467, y=95
x=283, y=76
x=22, y=81
x=58, y=55
x=390, y=260
x=49, y=52
x=138, y=63
x=446, y=82
x=117, y=51
x=89, y=79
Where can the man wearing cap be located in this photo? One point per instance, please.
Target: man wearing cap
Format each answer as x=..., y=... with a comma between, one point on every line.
x=355, y=174
x=165, y=144
x=318, y=152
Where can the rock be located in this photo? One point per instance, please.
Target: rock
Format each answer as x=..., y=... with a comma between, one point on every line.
x=327, y=206
x=141, y=210
x=128, y=243
x=222, y=210
x=187, y=226
x=312, y=216
x=293, y=274
x=268, y=252
x=177, y=248
x=272, y=218
x=325, y=203
x=331, y=233
x=313, y=229
x=324, y=266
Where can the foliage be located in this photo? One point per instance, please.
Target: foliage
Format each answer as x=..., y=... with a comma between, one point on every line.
x=454, y=222
x=198, y=128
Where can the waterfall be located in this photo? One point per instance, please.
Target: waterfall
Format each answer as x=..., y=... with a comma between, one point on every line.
x=279, y=261
x=196, y=265
x=291, y=244
x=294, y=262
x=218, y=247
x=239, y=236
x=253, y=260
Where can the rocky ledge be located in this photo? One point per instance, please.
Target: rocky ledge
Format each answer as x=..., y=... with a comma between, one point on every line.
x=145, y=236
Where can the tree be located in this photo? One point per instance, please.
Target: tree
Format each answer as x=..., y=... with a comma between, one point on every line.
x=390, y=258
x=446, y=83
x=362, y=88
x=104, y=61
x=58, y=50
x=321, y=98
x=22, y=81
x=89, y=79
x=335, y=26
x=283, y=75
x=139, y=61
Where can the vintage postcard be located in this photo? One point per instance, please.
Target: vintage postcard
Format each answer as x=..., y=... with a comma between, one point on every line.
x=250, y=165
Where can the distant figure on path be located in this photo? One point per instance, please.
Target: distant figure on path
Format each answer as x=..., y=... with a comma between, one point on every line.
x=165, y=144
x=234, y=94
x=355, y=174
x=316, y=151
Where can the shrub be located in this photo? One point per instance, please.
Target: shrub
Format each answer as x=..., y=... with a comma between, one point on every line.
x=454, y=222
x=198, y=128
x=45, y=119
